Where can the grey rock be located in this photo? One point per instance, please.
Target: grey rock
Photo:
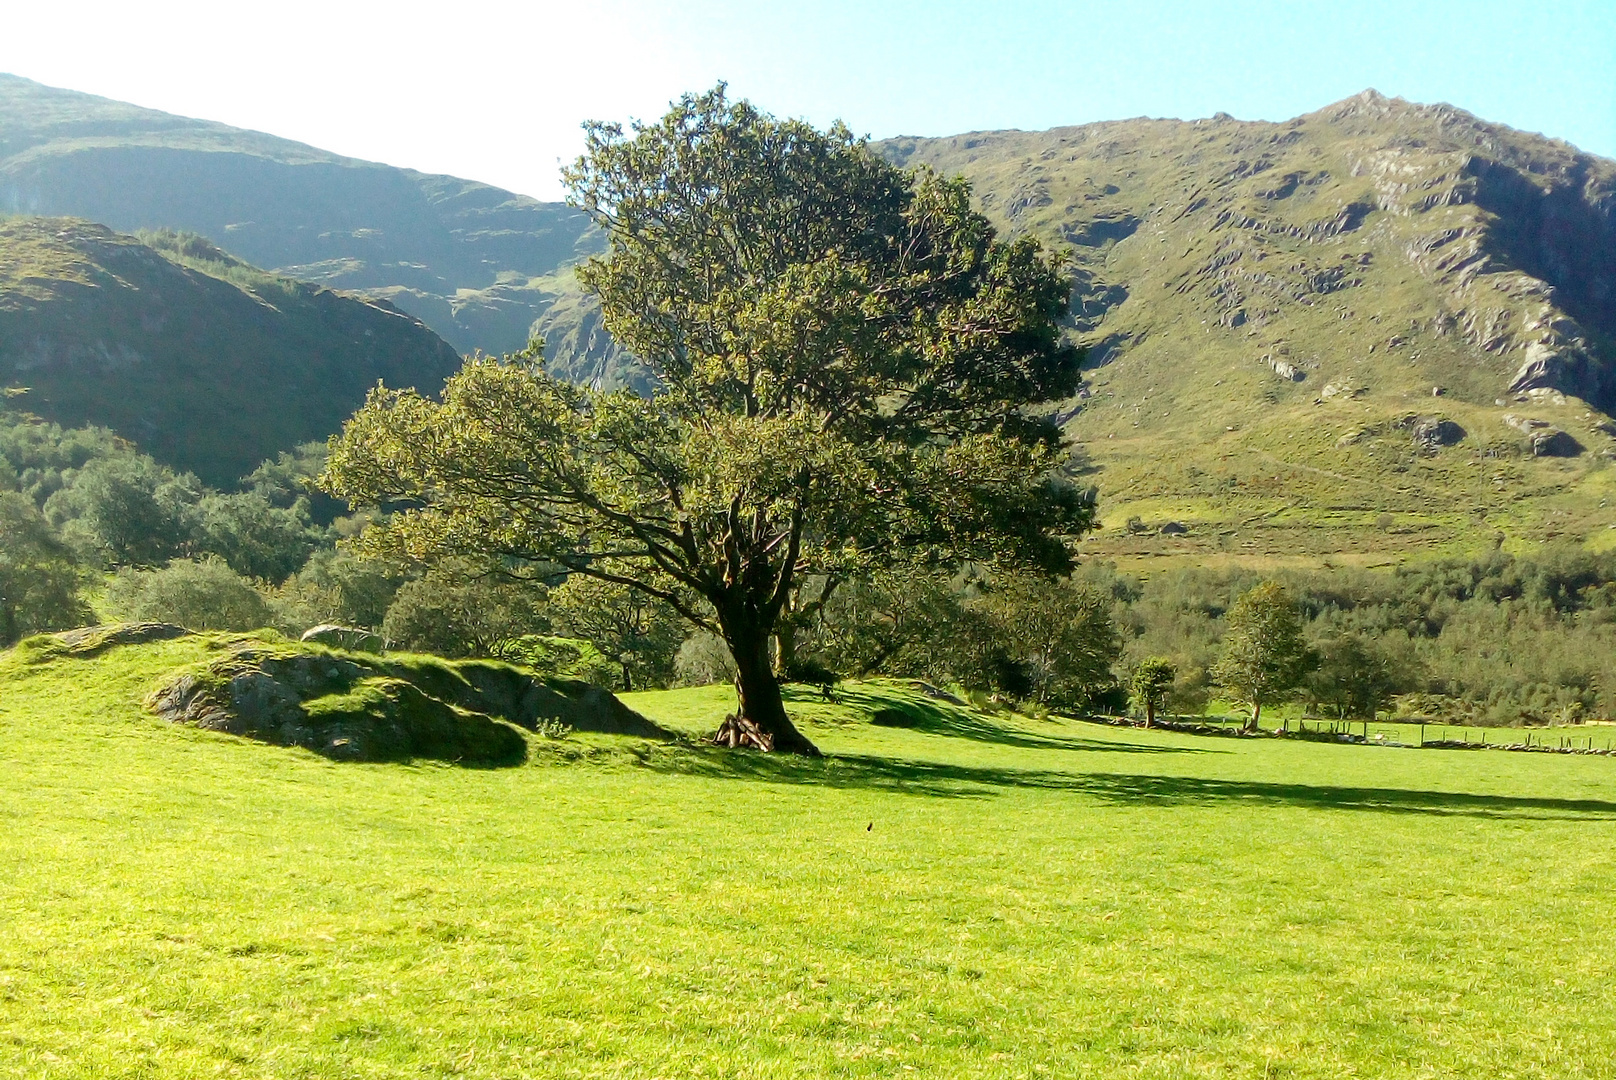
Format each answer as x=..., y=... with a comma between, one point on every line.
x=936, y=694
x=1287, y=370
x=93, y=640
x=135, y=633
x=1431, y=433
x=1546, y=439
x=1526, y=425
x=1555, y=443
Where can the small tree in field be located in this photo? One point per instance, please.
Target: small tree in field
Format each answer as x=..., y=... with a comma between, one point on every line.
x=1264, y=654
x=843, y=353
x=1151, y=681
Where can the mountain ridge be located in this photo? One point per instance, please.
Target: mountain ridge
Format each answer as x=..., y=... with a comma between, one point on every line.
x=469, y=259
x=1280, y=314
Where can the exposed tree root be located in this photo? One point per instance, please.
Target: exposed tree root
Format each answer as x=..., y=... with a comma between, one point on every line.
x=737, y=731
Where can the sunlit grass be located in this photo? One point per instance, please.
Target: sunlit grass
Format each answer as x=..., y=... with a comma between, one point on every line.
x=946, y=894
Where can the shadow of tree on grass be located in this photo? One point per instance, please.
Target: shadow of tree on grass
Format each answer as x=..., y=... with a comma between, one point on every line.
x=959, y=723
x=937, y=779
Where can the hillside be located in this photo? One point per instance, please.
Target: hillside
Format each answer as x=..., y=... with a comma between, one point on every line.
x=1363, y=330
x=468, y=259
x=209, y=364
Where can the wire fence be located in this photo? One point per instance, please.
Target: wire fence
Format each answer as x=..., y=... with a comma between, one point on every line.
x=1458, y=736
x=1578, y=739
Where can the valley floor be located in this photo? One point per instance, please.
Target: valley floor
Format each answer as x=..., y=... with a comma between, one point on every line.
x=946, y=894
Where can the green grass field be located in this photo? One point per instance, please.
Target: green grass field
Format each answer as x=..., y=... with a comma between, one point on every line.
x=946, y=894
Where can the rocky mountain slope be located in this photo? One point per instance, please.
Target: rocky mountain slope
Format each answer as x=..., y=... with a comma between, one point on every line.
x=1378, y=326
x=470, y=260
x=1421, y=224
x=207, y=363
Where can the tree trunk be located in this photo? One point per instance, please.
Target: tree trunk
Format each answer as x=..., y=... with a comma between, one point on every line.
x=785, y=641
x=1150, y=711
x=759, y=690
x=1256, y=715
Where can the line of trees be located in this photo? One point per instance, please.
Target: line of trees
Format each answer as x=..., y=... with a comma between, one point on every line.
x=1493, y=639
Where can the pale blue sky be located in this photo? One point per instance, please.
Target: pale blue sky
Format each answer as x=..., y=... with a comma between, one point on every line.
x=495, y=91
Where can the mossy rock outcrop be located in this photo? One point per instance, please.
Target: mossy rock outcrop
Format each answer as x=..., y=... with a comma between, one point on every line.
x=91, y=641
x=360, y=707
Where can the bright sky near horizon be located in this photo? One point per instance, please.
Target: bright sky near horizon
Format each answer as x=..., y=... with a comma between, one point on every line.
x=495, y=90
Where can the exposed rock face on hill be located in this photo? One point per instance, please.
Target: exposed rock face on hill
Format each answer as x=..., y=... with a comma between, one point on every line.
x=579, y=348
x=207, y=363
x=468, y=259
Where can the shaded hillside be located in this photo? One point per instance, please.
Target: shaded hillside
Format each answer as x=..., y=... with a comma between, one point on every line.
x=1377, y=327
x=579, y=348
x=462, y=256
x=207, y=363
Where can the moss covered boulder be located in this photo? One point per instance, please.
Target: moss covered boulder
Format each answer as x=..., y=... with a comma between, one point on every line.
x=362, y=707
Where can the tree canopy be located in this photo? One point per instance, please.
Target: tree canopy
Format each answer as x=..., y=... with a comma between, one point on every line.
x=846, y=357
x=1264, y=653
x=1152, y=680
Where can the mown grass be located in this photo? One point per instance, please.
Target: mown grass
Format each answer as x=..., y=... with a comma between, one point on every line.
x=945, y=894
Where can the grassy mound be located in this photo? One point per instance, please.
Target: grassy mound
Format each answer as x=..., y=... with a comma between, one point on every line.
x=91, y=641
x=326, y=702
x=352, y=706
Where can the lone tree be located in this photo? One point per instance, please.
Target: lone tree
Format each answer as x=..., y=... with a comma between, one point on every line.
x=1264, y=655
x=1151, y=681
x=844, y=355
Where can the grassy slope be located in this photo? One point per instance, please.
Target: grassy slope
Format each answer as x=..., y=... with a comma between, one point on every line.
x=1332, y=243
x=965, y=897
x=206, y=362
